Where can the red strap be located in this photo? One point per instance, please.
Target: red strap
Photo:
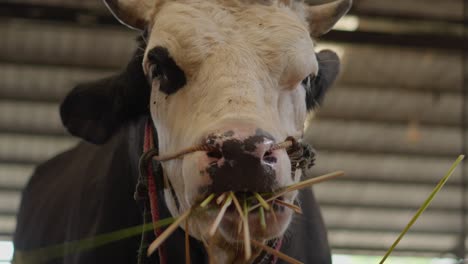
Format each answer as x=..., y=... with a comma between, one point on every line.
x=278, y=247
x=152, y=193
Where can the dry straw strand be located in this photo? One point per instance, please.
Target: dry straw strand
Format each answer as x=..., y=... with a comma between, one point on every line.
x=220, y=216
x=310, y=182
x=236, y=204
x=275, y=219
x=276, y=253
x=302, y=185
x=239, y=210
x=221, y=198
x=295, y=208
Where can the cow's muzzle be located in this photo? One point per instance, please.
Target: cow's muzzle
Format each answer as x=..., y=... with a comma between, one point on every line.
x=242, y=163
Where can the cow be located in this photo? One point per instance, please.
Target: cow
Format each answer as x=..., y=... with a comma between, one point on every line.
x=238, y=75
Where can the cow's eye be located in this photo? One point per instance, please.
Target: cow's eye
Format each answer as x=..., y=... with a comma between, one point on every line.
x=308, y=82
x=155, y=72
x=164, y=69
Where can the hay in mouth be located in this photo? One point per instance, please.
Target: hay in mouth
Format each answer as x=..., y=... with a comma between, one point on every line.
x=243, y=204
x=301, y=155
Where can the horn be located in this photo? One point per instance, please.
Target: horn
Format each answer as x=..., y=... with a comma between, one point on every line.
x=134, y=14
x=323, y=17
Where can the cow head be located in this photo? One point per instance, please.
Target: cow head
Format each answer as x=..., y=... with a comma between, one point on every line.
x=237, y=75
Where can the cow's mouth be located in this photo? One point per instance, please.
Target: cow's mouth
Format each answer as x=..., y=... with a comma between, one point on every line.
x=263, y=224
x=227, y=209
x=223, y=215
x=266, y=216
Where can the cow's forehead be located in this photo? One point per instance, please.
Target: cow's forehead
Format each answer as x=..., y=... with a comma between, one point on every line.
x=192, y=30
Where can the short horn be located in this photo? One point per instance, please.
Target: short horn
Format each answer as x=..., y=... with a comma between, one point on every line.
x=323, y=17
x=132, y=13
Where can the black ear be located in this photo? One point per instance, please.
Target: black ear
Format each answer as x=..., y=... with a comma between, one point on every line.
x=95, y=110
x=329, y=68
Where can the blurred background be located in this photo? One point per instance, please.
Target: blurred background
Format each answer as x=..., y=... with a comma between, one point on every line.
x=393, y=122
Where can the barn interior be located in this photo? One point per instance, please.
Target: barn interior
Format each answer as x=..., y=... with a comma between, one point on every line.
x=394, y=122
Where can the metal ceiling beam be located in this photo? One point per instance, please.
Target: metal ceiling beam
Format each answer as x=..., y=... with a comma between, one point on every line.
x=434, y=242
x=371, y=103
x=408, y=182
x=10, y=189
x=384, y=168
x=9, y=204
x=8, y=213
x=46, y=43
x=387, y=196
x=389, y=230
x=14, y=176
x=409, y=16
x=7, y=224
x=6, y=236
x=380, y=251
x=58, y=13
x=43, y=83
x=380, y=138
x=4, y=160
x=30, y=118
x=397, y=40
x=378, y=207
x=31, y=149
x=388, y=219
x=431, y=10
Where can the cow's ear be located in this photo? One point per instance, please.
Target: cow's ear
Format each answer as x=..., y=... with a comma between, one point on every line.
x=329, y=68
x=95, y=110
x=323, y=17
x=132, y=13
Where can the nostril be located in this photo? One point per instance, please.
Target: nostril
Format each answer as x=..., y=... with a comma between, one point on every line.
x=217, y=154
x=269, y=157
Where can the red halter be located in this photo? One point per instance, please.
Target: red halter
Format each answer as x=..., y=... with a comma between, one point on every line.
x=152, y=193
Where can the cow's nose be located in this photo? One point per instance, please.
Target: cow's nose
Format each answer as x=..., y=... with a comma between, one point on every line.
x=243, y=165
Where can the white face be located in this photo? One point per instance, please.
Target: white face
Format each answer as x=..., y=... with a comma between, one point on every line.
x=243, y=75
x=229, y=74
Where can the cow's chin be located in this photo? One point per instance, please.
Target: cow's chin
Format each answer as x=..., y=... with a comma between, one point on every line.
x=275, y=227
x=230, y=230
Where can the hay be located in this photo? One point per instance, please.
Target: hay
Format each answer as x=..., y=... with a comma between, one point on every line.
x=225, y=200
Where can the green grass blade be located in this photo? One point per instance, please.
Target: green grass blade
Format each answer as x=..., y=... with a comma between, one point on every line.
x=262, y=218
x=424, y=206
x=57, y=251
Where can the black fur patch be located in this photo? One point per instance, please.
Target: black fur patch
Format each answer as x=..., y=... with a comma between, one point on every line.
x=171, y=77
x=329, y=68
